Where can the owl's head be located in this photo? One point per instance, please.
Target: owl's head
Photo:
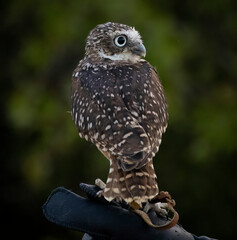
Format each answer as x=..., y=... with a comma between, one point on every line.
x=115, y=41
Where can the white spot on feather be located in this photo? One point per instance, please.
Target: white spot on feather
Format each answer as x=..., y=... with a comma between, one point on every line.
x=127, y=135
x=134, y=113
x=107, y=127
x=109, y=180
x=115, y=190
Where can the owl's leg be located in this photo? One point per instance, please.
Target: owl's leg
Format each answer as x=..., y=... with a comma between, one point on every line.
x=101, y=185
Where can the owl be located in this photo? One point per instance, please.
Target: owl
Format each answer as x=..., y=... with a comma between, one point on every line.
x=118, y=104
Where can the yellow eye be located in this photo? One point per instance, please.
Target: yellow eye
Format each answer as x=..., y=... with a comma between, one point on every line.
x=120, y=41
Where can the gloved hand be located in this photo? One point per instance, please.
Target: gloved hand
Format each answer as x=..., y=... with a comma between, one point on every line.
x=102, y=220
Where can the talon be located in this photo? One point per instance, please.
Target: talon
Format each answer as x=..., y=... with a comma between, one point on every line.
x=99, y=193
x=159, y=208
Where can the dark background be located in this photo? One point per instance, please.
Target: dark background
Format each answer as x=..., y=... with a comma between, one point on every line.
x=193, y=46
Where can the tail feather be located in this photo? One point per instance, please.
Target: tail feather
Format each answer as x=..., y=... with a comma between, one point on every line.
x=136, y=185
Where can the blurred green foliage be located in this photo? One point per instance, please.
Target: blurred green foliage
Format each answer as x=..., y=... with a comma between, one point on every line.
x=193, y=46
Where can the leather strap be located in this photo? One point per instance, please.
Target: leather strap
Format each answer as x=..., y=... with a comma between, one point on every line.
x=168, y=204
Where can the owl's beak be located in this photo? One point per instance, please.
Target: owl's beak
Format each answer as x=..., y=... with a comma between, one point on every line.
x=139, y=49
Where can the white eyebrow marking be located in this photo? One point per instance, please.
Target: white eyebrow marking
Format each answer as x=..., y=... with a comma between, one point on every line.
x=132, y=34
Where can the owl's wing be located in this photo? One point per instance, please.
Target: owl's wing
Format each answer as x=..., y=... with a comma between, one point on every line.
x=147, y=103
x=155, y=111
x=106, y=110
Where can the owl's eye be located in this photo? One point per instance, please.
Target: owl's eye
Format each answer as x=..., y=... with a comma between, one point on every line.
x=120, y=41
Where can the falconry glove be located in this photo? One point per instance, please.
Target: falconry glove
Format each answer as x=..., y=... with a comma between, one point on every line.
x=100, y=219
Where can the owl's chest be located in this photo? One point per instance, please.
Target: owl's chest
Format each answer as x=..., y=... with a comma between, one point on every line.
x=128, y=83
